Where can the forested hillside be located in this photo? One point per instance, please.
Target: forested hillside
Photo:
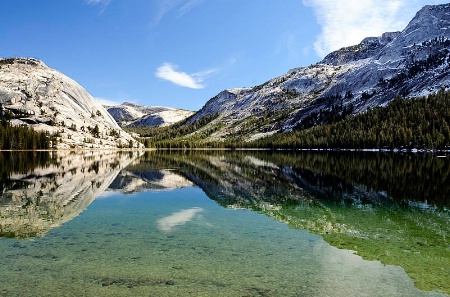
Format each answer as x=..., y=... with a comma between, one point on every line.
x=420, y=123
x=414, y=123
x=178, y=135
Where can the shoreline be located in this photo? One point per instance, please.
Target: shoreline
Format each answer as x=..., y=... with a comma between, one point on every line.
x=375, y=150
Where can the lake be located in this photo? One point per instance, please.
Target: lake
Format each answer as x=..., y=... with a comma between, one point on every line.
x=224, y=223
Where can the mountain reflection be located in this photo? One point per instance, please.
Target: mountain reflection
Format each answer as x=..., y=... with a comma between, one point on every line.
x=135, y=178
x=43, y=190
x=351, y=178
x=388, y=207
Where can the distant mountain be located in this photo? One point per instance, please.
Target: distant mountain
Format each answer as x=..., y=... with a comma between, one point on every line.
x=47, y=100
x=131, y=114
x=413, y=62
x=162, y=118
x=127, y=111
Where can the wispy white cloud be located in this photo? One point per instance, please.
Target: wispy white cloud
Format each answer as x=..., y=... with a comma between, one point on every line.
x=107, y=102
x=169, y=72
x=164, y=7
x=188, y=6
x=94, y=2
x=347, y=22
x=102, y=3
x=288, y=47
x=181, y=7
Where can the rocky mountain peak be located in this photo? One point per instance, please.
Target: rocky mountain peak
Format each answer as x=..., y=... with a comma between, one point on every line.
x=369, y=47
x=438, y=12
x=432, y=21
x=410, y=63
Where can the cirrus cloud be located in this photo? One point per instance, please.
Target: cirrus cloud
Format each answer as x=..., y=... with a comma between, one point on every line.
x=169, y=72
x=108, y=102
x=103, y=3
x=182, y=7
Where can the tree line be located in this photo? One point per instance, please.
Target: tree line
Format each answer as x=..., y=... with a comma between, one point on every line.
x=419, y=123
x=178, y=135
x=22, y=137
x=422, y=123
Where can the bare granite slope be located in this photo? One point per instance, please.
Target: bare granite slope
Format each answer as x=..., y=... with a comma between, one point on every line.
x=46, y=99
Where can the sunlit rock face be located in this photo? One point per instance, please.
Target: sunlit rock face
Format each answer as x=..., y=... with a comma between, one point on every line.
x=163, y=118
x=49, y=196
x=46, y=99
x=410, y=63
x=128, y=111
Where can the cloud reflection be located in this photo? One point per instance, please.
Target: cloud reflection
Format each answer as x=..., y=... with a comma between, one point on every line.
x=178, y=219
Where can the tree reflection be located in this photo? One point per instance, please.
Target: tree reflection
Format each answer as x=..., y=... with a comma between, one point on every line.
x=43, y=190
x=387, y=207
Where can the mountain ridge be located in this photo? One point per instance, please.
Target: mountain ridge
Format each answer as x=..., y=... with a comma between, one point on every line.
x=413, y=62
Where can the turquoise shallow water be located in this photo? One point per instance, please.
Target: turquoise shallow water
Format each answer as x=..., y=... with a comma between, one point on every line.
x=181, y=243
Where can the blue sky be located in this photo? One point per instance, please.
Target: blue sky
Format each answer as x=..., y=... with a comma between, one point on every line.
x=180, y=53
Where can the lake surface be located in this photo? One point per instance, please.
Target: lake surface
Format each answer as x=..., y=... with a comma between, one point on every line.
x=221, y=223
